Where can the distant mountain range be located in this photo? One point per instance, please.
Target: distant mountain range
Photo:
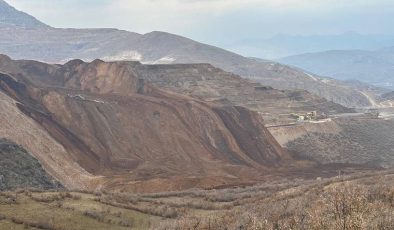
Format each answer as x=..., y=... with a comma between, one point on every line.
x=284, y=45
x=24, y=37
x=372, y=67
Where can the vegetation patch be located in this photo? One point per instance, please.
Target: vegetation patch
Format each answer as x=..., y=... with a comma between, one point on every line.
x=18, y=169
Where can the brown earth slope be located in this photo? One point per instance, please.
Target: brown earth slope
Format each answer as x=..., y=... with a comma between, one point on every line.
x=101, y=125
x=201, y=81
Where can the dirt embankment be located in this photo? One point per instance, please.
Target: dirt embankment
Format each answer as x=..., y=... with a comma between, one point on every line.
x=285, y=134
x=360, y=140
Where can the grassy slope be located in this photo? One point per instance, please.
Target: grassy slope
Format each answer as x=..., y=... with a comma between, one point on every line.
x=367, y=201
x=78, y=211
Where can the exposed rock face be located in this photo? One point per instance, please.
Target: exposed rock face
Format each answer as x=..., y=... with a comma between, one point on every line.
x=120, y=132
x=18, y=169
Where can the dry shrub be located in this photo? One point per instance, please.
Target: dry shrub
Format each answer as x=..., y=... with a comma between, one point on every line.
x=94, y=215
x=122, y=198
x=8, y=198
x=126, y=223
x=200, y=204
x=344, y=206
x=338, y=206
x=115, y=201
x=39, y=225
x=49, y=198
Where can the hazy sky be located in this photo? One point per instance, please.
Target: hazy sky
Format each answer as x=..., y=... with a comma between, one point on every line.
x=218, y=21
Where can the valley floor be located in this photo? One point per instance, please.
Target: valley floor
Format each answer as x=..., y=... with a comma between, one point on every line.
x=363, y=200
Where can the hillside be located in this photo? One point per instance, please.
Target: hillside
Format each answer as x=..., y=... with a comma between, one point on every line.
x=388, y=96
x=121, y=113
x=109, y=126
x=112, y=124
x=61, y=45
x=357, y=139
x=208, y=83
x=201, y=81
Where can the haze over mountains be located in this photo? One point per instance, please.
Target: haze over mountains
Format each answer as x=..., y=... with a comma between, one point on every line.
x=284, y=45
x=374, y=67
x=34, y=40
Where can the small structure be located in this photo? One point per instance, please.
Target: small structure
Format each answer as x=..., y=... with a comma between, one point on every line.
x=305, y=117
x=373, y=112
x=301, y=118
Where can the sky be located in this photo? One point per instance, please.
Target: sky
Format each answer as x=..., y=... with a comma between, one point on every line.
x=218, y=22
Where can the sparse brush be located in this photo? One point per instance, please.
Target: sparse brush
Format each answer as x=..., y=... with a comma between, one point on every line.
x=94, y=215
x=39, y=225
x=126, y=223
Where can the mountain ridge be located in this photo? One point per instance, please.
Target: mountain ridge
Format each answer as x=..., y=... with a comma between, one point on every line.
x=9, y=16
x=56, y=45
x=370, y=66
x=284, y=45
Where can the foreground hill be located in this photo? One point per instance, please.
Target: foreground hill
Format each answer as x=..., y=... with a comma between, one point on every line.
x=60, y=45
